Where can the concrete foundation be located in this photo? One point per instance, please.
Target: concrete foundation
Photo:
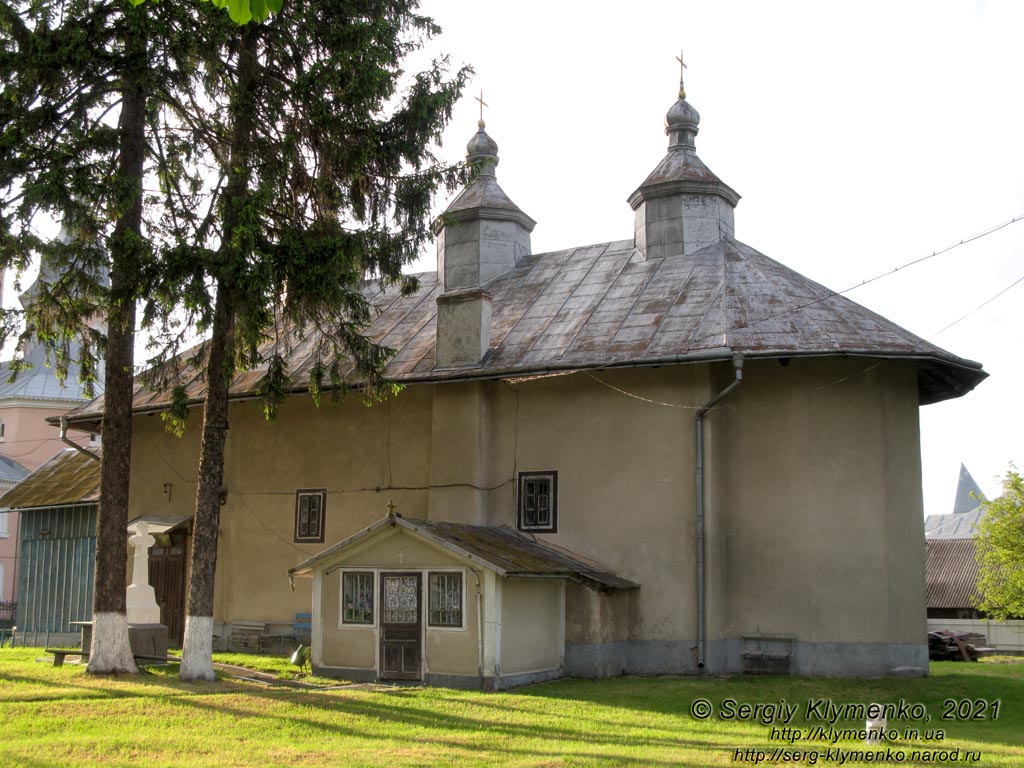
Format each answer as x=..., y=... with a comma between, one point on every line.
x=666, y=657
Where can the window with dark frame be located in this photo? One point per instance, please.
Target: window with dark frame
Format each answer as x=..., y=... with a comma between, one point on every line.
x=310, y=505
x=538, y=501
x=357, y=598
x=445, y=600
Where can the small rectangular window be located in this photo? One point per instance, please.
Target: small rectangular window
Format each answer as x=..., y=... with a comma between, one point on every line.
x=357, y=598
x=445, y=600
x=538, y=501
x=309, y=515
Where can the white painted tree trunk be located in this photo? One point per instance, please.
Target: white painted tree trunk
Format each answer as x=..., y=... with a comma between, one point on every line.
x=197, y=649
x=111, y=652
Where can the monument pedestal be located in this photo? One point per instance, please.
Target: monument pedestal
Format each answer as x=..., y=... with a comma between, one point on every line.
x=148, y=640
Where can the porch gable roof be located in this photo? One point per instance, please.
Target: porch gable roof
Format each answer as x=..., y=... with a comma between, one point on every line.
x=499, y=548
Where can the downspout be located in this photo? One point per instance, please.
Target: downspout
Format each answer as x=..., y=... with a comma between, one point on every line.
x=737, y=363
x=64, y=439
x=479, y=630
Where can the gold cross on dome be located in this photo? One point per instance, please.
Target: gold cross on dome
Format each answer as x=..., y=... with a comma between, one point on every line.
x=682, y=66
x=483, y=104
x=391, y=507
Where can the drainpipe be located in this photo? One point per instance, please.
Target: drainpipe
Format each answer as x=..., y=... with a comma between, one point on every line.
x=479, y=630
x=64, y=439
x=737, y=363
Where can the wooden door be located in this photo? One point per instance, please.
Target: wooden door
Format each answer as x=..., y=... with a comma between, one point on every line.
x=401, y=625
x=167, y=577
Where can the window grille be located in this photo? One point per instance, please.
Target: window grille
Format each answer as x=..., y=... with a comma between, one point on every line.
x=445, y=600
x=401, y=600
x=357, y=599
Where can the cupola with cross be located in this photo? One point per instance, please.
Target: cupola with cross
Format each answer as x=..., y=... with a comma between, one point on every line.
x=682, y=206
x=481, y=235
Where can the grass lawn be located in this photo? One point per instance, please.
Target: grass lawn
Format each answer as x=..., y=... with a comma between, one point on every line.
x=62, y=717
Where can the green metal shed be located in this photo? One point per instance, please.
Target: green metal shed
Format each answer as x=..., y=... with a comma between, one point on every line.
x=58, y=505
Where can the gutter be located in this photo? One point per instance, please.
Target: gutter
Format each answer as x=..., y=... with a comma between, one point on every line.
x=737, y=362
x=64, y=439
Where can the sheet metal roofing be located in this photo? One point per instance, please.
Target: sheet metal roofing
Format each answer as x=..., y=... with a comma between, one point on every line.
x=951, y=573
x=606, y=305
x=70, y=477
x=501, y=549
x=959, y=525
x=10, y=471
x=40, y=383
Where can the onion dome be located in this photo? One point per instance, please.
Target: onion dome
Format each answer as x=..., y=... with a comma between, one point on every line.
x=482, y=151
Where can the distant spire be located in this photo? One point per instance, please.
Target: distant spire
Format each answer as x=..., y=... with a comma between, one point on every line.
x=965, y=502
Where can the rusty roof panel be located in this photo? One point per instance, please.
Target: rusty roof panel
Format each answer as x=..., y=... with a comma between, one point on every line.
x=70, y=477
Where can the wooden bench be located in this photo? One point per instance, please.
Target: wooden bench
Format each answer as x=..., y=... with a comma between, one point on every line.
x=303, y=627
x=60, y=653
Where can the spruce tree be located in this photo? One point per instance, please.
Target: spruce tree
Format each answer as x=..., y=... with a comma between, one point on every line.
x=86, y=88
x=327, y=181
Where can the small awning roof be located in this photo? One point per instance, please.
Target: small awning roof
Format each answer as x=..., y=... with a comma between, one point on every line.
x=501, y=549
x=159, y=523
x=70, y=477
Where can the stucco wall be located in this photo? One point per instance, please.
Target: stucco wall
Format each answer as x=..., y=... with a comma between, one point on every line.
x=530, y=618
x=814, y=500
x=815, y=519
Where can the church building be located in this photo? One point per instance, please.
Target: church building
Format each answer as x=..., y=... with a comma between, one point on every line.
x=668, y=454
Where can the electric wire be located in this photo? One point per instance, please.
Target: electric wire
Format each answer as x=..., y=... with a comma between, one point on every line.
x=981, y=306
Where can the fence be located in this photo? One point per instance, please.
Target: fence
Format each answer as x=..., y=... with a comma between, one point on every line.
x=1004, y=635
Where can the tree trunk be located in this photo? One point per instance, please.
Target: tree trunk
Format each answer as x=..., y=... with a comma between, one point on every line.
x=111, y=651
x=197, y=644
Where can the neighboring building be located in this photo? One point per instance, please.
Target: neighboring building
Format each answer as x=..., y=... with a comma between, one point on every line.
x=544, y=471
x=57, y=504
x=26, y=439
x=951, y=576
x=967, y=512
x=951, y=570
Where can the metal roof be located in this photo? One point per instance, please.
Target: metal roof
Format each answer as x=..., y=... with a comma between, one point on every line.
x=606, y=305
x=40, y=382
x=70, y=477
x=503, y=550
x=961, y=525
x=951, y=573
x=11, y=471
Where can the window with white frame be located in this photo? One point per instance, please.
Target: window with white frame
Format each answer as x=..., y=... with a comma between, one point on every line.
x=444, y=599
x=3, y=524
x=310, y=506
x=538, y=501
x=357, y=597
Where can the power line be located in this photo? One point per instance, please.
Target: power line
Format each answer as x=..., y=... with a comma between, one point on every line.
x=894, y=270
x=980, y=306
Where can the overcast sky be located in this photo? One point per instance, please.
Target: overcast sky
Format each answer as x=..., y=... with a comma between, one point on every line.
x=861, y=137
